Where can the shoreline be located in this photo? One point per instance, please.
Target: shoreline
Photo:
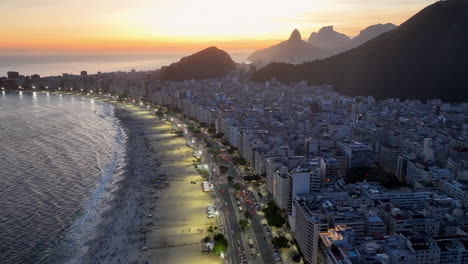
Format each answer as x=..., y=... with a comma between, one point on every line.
x=146, y=223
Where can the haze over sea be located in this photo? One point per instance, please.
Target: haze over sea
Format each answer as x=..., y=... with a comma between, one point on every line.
x=57, y=63
x=60, y=158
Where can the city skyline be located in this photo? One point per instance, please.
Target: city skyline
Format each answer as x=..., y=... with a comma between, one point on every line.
x=234, y=132
x=66, y=26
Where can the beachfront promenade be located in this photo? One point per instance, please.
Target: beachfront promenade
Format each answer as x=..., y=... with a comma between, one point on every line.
x=175, y=220
x=179, y=214
x=231, y=215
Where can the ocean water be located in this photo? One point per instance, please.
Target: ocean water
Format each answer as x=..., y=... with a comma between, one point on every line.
x=53, y=64
x=60, y=159
x=58, y=63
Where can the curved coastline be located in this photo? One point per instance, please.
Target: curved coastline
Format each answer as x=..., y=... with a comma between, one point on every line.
x=61, y=163
x=156, y=214
x=159, y=214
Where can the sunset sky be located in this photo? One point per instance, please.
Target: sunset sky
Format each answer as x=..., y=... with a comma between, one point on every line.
x=160, y=25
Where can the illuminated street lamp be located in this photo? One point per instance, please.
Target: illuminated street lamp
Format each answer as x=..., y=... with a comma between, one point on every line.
x=34, y=87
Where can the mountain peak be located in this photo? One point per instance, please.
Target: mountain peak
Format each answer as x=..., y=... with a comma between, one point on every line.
x=295, y=35
x=293, y=50
x=326, y=29
x=421, y=59
x=327, y=38
x=208, y=63
x=371, y=32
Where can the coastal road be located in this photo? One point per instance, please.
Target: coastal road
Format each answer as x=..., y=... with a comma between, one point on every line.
x=264, y=247
x=232, y=224
x=233, y=231
x=231, y=221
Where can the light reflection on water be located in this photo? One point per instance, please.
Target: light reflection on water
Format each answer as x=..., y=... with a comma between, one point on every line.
x=54, y=150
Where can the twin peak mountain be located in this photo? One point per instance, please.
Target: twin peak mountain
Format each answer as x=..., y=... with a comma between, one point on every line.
x=324, y=43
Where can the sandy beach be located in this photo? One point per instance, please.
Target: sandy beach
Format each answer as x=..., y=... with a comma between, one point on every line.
x=158, y=215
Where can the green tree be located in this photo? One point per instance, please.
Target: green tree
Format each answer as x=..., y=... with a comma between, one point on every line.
x=212, y=130
x=280, y=242
x=273, y=215
x=194, y=129
x=236, y=186
x=239, y=161
x=220, y=243
x=159, y=113
x=247, y=215
x=244, y=225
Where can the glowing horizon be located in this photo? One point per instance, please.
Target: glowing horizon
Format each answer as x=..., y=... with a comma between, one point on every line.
x=170, y=25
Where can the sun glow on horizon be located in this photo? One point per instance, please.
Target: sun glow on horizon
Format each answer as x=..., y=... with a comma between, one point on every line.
x=184, y=24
